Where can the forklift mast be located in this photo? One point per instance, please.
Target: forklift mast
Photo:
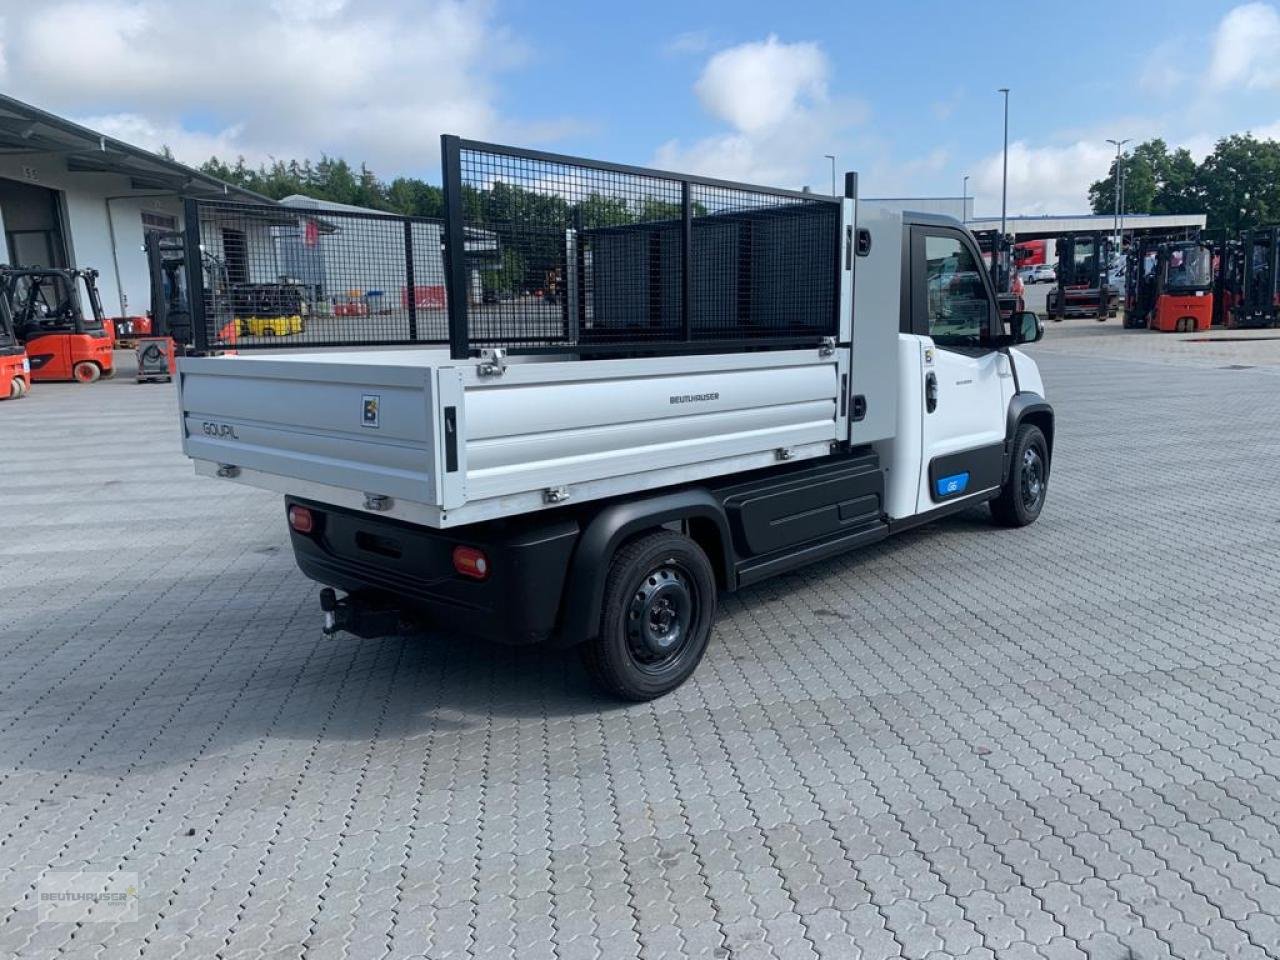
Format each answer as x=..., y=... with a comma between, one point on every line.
x=1084, y=267
x=170, y=302
x=1260, y=277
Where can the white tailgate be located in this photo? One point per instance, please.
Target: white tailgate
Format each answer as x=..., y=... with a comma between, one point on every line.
x=306, y=420
x=640, y=422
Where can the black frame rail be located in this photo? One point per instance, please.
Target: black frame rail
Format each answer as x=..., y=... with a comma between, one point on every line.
x=283, y=277
x=546, y=253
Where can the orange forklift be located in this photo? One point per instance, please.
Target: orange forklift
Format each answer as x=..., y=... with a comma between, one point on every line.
x=1171, y=287
x=15, y=369
x=63, y=341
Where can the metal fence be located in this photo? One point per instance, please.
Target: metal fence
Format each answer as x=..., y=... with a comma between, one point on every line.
x=293, y=276
x=594, y=257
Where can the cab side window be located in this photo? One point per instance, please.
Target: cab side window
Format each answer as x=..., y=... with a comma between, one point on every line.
x=956, y=305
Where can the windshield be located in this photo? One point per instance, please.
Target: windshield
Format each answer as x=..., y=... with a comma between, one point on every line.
x=1190, y=266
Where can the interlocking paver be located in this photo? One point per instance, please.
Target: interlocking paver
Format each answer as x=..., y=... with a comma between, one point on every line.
x=1062, y=742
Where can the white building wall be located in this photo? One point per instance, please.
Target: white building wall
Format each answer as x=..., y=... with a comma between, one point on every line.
x=88, y=228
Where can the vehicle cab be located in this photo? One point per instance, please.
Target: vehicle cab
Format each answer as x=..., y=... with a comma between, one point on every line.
x=58, y=315
x=962, y=383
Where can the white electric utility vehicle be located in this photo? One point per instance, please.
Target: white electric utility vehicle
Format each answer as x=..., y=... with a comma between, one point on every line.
x=652, y=389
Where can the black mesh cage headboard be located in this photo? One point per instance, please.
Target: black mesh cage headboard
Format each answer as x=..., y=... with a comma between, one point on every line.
x=559, y=254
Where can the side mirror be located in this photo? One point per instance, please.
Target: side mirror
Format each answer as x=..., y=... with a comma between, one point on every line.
x=1026, y=327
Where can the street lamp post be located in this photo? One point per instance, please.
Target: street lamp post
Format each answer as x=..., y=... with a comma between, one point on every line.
x=1004, y=179
x=1119, y=186
x=964, y=201
x=832, y=158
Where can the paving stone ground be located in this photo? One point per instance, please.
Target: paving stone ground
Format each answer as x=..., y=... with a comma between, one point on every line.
x=1058, y=742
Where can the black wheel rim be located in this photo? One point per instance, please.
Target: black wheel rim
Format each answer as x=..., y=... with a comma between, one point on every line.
x=660, y=617
x=1032, y=478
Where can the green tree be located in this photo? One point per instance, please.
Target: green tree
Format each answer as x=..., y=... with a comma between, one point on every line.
x=1155, y=181
x=1239, y=182
x=415, y=198
x=1237, y=185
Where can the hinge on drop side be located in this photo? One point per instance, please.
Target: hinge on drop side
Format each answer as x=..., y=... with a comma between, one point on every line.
x=828, y=347
x=555, y=495
x=493, y=362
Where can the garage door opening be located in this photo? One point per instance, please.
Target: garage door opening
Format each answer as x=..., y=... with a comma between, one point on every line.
x=32, y=225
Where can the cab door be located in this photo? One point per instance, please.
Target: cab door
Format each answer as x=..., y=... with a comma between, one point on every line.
x=966, y=380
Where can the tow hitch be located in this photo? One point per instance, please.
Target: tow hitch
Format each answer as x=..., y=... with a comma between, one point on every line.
x=365, y=616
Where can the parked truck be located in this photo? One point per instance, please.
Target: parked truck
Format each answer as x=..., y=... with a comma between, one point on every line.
x=735, y=381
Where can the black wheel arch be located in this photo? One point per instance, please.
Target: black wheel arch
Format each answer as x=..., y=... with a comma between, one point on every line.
x=1028, y=407
x=615, y=524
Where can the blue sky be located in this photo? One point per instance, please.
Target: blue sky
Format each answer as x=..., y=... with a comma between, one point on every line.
x=904, y=93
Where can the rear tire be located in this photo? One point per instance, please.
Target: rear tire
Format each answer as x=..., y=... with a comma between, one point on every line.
x=86, y=372
x=1022, y=496
x=659, y=605
x=17, y=388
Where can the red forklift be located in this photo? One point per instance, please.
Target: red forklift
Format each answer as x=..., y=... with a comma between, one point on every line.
x=1259, y=303
x=63, y=340
x=1083, y=289
x=998, y=253
x=15, y=368
x=1170, y=286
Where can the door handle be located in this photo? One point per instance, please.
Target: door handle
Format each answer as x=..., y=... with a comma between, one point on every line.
x=930, y=392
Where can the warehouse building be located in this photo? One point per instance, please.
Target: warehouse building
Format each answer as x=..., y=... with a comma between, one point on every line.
x=72, y=197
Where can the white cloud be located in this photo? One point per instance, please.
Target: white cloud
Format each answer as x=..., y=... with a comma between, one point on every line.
x=773, y=98
x=1269, y=132
x=1246, y=49
x=1048, y=179
x=376, y=81
x=143, y=132
x=755, y=86
x=1164, y=69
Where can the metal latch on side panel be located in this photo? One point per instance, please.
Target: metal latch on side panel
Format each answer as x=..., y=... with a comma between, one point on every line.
x=493, y=362
x=864, y=242
x=555, y=495
x=228, y=471
x=784, y=453
x=828, y=347
x=377, y=501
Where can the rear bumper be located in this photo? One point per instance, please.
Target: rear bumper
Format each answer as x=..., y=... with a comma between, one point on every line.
x=518, y=603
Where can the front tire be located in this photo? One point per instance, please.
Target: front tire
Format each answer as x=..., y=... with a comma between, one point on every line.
x=659, y=605
x=1022, y=496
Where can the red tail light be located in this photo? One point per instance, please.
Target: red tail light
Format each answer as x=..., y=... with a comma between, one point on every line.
x=470, y=562
x=301, y=520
